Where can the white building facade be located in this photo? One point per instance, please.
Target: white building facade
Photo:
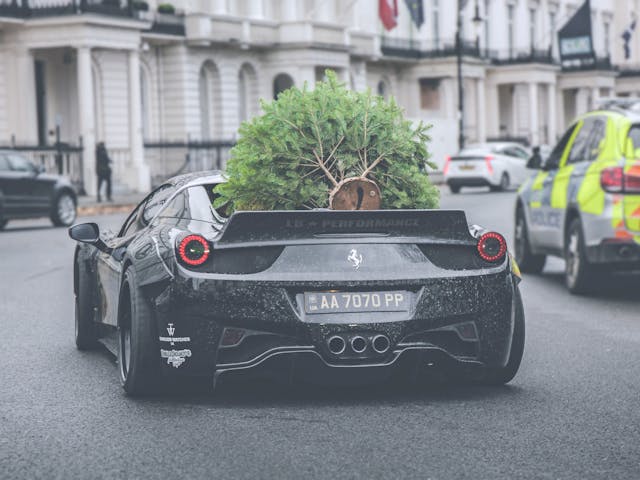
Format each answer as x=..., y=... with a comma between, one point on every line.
x=81, y=71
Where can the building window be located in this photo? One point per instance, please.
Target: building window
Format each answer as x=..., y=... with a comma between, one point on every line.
x=487, y=42
x=435, y=19
x=383, y=89
x=430, y=94
x=209, y=95
x=247, y=92
x=510, y=32
x=552, y=29
x=607, y=39
x=281, y=83
x=205, y=105
x=532, y=28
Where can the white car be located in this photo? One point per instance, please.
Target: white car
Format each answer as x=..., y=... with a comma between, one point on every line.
x=497, y=165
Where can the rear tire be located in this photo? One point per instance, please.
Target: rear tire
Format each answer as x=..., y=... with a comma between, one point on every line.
x=85, y=328
x=3, y=223
x=64, y=210
x=504, y=184
x=138, y=349
x=525, y=258
x=454, y=188
x=579, y=274
x=502, y=375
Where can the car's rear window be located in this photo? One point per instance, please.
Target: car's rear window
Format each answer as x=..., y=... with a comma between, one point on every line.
x=195, y=203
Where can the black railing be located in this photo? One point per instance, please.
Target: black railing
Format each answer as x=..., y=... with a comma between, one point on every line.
x=598, y=63
x=166, y=24
x=34, y=9
x=510, y=57
x=167, y=159
x=409, y=48
x=61, y=158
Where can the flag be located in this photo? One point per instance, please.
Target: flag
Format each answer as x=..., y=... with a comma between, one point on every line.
x=416, y=11
x=575, y=37
x=388, y=11
x=626, y=36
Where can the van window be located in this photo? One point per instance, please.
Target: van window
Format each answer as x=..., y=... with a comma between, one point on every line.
x=553, y=161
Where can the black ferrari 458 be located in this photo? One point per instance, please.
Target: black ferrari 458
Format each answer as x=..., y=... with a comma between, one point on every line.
x=319, y=295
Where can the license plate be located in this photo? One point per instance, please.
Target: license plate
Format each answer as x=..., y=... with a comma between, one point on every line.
x=353, y=302
x=467, y=167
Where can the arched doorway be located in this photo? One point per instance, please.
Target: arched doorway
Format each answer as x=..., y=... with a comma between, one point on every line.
x=281, y=82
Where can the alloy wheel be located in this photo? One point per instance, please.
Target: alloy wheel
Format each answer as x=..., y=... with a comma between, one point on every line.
x=66, y=209
x=573, y=257
x=125, y=346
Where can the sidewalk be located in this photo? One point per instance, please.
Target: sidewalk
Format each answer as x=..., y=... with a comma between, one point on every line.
x=121, y=204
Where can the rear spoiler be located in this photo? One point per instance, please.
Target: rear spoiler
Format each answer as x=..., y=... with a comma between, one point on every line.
x=264, y=228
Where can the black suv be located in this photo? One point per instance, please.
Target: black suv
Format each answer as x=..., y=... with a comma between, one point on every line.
x=27, y=192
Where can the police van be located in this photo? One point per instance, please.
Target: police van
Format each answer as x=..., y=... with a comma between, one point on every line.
x=584, y=202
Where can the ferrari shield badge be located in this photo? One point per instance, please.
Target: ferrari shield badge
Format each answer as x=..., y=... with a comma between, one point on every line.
x=355, y=258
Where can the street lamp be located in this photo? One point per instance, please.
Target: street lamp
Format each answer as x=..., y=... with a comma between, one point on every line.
x=477, y=22
x=477, y=25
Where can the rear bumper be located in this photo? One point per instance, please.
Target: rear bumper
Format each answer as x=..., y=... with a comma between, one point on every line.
x=466, y=320
x=616, y=255
x=307, y=365
x=468, y=182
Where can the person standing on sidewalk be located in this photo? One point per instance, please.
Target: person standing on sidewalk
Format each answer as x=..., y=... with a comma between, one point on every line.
x=103, y=169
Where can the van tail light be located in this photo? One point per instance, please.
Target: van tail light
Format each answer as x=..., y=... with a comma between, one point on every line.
x=193, y=250
x=492, y=247
x=447, y=163
x=487, y=161
x=614, y=180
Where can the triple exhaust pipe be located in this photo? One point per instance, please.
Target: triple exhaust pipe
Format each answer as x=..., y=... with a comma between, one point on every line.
x=358, y=344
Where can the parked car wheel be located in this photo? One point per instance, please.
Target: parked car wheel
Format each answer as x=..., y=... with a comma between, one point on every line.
x=85, y=327
x=454, y=188
x=138, y=352
x=503, y=186
x=64, y=210
x=527, y=261
x=3, y=223
x=502, y=375
x=579, y=274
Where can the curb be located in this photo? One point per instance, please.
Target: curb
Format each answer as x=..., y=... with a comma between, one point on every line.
x=92, y=210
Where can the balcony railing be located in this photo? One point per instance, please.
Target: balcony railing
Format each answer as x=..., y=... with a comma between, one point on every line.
x=35, y=8
x=410, y=48
x=510, y=57
x=417, y=49
x=598, y=63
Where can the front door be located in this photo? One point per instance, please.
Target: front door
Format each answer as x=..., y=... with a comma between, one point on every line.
x=545, y=219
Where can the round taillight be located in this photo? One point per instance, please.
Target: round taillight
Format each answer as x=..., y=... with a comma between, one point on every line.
x=492, y=247
x=193, y=250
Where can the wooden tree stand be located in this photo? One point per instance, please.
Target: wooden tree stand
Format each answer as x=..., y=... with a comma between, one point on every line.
x=356, y=193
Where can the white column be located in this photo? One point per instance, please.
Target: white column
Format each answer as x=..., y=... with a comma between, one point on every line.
x=533, y=114
x=552, y=133
x=86, y=119
x=492, y=116
x=219, y=7
x=140, y=177
x=595, y=95
x=481, y=111
x=21, y=114
x=288, y=10
x=325, y=10
x=256, y=9
x=306, y=74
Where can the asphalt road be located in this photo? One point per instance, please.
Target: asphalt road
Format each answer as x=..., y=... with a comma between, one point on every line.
x=573, y=411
